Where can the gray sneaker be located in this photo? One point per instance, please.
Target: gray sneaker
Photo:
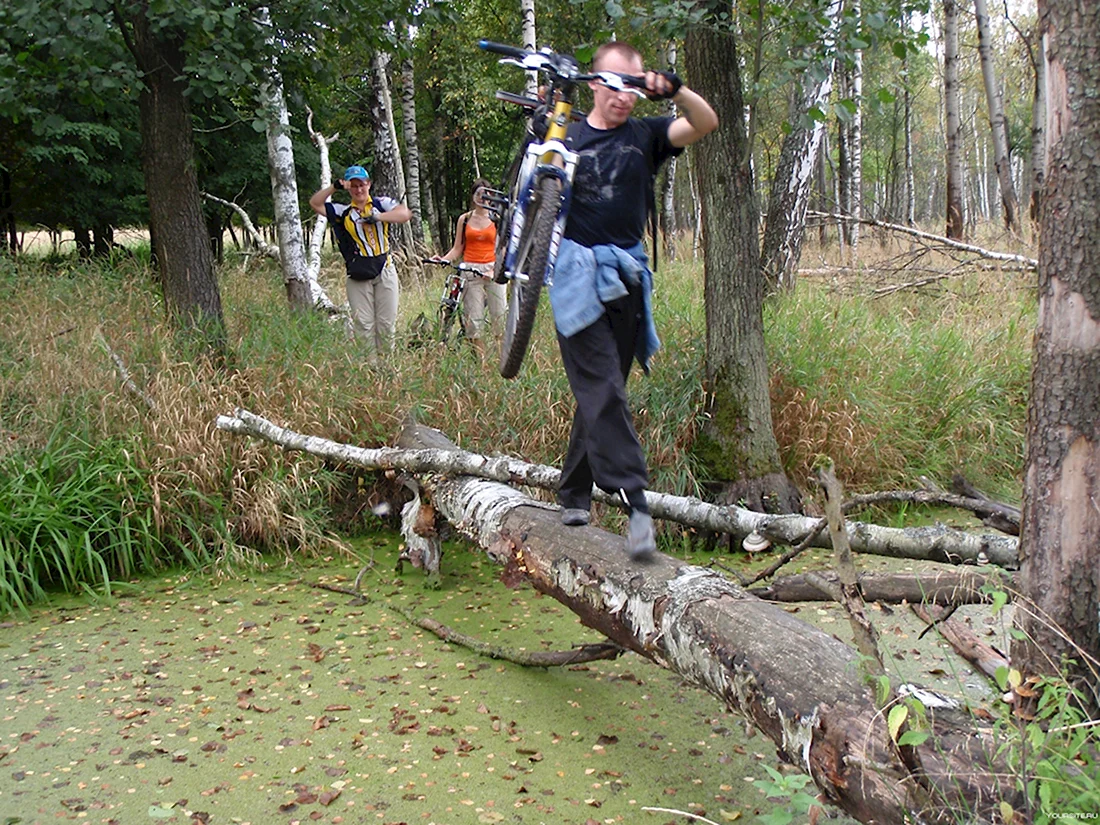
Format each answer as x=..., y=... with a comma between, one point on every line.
x=574, y=517
x=641, y=541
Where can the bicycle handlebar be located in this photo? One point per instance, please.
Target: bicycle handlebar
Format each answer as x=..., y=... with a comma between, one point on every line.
x=549, y=63
x=456, y=264
x=500, y=48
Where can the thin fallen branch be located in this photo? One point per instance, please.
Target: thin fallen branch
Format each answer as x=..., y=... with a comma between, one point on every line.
x=932, y=543
x=790, y=555
x=965, y=641
x=266, y=249
x=996, y=514
x=993, y=514
x=534, y=658
x=946, y=587
x=124, y=374
x=1030, y=263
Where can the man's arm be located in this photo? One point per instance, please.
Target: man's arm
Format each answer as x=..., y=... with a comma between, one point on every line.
x=399, y=214
x=698, y=117
x=317, y=200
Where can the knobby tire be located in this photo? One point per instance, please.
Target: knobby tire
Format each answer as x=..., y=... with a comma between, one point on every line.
x=446, y=322
x=534, y=247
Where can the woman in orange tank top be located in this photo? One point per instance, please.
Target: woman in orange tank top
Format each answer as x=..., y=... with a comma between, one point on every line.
x=475, y=243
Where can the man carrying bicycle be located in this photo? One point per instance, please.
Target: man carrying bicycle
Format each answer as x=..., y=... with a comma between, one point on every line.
x=602, y=283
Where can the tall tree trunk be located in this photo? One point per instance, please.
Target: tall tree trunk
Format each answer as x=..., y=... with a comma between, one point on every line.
x=284, y=186
x=320, y=224
x=855, y=140
x=955, y=228
x=997, y=121
x=7, y=213
x=185, y=262
x=412, y=150
x=1039, y=133
x=843, y=179
x=387, y=176
x=1060, y=535
x=910, y=188
x=668, y=180
x=697, y=214
x=527, y=12
x=785, y=228
x=821, y=191
x=737, y=446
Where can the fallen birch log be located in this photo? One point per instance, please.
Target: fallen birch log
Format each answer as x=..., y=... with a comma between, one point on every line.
x=933, y=543
x=797, y=684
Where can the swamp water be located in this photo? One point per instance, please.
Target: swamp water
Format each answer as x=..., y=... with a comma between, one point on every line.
x=270, y=700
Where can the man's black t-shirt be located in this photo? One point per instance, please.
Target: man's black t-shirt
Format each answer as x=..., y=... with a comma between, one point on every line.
x=613, y=186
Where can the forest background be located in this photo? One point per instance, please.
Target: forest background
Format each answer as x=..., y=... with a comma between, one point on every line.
x=895, y=358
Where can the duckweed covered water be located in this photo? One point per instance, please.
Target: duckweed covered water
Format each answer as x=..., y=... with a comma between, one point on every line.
x=271, y=700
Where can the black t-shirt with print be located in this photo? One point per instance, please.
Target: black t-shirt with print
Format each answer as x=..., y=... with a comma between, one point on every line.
x=613, y=186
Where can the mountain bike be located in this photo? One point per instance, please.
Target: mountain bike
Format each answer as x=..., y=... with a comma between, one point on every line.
x=450, y=301
x=534, y=203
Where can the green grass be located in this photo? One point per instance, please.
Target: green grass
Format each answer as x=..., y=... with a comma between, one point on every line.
x=77, y=516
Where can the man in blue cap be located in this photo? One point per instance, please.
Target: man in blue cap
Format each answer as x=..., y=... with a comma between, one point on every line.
x=363, y=234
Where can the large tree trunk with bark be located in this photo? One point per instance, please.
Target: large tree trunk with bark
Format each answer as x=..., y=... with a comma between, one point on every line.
x=797, y=684
x=1060, y=535
x=184, y=259
x=997, y=121
x=284, y=188
x=785, y=228
x=955, y=226
x=737, y=446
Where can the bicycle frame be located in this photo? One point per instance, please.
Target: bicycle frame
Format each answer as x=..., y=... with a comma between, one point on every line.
x=535, y=207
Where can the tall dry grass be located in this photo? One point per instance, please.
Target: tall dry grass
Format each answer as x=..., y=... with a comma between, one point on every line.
x=917, y=383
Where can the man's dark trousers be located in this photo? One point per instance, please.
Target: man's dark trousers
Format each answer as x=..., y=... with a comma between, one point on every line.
x=603, y=446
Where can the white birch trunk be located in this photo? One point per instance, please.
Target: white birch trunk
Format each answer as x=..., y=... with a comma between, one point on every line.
x=668, y=188
x=785, y=227
x=697, y=228
x=855, y=143
x=997, y=120
x=320, y=224
x=527, y=12
x=412, y=149
x=937, y=543
x=388, y=175
x=284, y=184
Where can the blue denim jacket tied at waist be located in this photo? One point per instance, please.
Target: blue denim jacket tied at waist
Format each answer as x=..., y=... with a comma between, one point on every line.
x=587, y=277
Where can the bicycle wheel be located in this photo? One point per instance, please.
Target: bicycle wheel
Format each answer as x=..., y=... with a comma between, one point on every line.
x=445, y=318
x=531, y=259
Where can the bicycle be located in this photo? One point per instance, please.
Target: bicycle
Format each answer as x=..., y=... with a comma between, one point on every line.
x=534, y=205
x=450, y=301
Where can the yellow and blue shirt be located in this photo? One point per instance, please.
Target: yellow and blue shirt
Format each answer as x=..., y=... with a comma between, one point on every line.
x=364, y=244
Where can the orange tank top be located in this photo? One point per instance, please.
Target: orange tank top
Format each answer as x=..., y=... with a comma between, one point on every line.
x=480, y=244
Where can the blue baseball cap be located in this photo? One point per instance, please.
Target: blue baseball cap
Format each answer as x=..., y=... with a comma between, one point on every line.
x=353, y=172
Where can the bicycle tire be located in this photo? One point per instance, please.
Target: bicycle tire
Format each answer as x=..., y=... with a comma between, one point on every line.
x=446, y=320
x=534, y=252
